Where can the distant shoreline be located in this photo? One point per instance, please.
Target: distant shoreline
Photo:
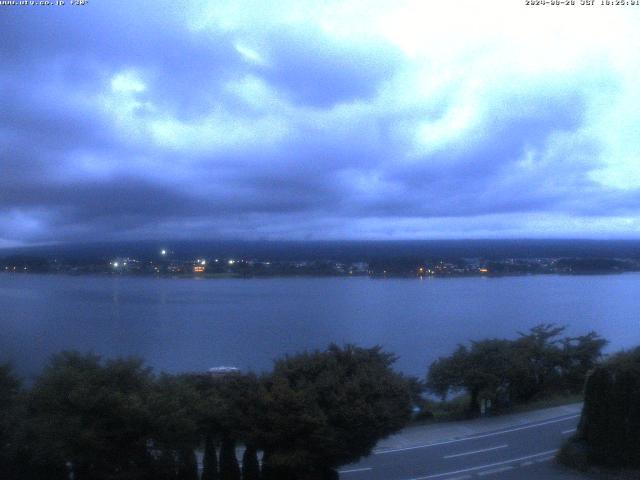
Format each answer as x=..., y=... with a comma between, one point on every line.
x=305, y=276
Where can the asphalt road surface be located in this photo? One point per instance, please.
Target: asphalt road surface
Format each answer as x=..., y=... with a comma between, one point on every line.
x=520, y=452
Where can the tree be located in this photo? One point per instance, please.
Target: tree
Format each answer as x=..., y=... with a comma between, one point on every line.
x=187, y=465
x=515, y=371
x=94, y=415
x=19, y=457
x=229, y=407
x=229, y=468
x=580, y=355
x=538, y=357
x=174, y=409
x=210, y=460
x=328, y=408
x=487, y=374
x=446, y=374
x=482, y=371
x=250, y=465
x=9, y=392
x=11, y=416
x=611, y=415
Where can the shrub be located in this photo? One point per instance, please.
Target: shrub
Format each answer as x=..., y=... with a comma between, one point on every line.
x=610, y=423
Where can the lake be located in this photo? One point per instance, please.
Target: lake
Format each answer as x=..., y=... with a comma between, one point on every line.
x=194, y=324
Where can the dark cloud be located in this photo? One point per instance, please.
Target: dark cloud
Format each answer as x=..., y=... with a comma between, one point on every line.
x=71, y=171
x=317, y=70
x=83, y=47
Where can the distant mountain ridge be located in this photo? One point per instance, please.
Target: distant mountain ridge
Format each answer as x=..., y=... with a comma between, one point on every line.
x=340, y=250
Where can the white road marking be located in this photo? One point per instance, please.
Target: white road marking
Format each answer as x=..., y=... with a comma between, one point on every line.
x=486, y=435
x=476, y=451
x=526, y=464
x=566, y=432
x=494, y=470
x=545, y=459
x=489, y=465
x=354, y=470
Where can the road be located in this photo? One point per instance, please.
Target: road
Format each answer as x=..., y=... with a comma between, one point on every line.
x=521, y=451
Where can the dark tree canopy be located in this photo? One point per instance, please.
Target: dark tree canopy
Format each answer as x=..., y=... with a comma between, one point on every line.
x=10, y=414
x=250, y=464
x=94, y=415
x=210, y=460
x=328, y=408
x=610, y=423
x=507, y=372
x=229, y=468
x=228, y=405
x=174, y=414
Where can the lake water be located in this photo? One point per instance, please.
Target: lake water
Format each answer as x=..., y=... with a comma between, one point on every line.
x=193, y=324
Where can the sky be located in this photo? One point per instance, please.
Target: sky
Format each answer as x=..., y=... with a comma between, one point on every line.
x=123, y=120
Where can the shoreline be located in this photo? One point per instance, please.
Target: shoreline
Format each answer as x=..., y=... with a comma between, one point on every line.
x=298, y=276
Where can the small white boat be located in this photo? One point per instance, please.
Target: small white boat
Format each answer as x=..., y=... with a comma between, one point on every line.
x=223, y=370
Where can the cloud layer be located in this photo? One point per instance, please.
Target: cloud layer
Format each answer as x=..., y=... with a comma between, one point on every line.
x=128, y=120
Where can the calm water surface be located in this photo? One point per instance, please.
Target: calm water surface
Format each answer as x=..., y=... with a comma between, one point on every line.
x=191, y=324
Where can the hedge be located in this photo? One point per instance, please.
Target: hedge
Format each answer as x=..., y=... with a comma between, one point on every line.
x=610, y=424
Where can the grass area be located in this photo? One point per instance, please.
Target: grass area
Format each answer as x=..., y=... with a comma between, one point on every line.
x=456, y=409
x=449, y=411
x=573, y=455
x=548, y=402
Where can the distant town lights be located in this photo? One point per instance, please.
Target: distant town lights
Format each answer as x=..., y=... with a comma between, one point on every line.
x=163, y=252
x=231, y=262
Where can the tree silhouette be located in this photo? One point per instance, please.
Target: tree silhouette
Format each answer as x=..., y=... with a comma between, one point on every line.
x=250, y=465
x=328, y=408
